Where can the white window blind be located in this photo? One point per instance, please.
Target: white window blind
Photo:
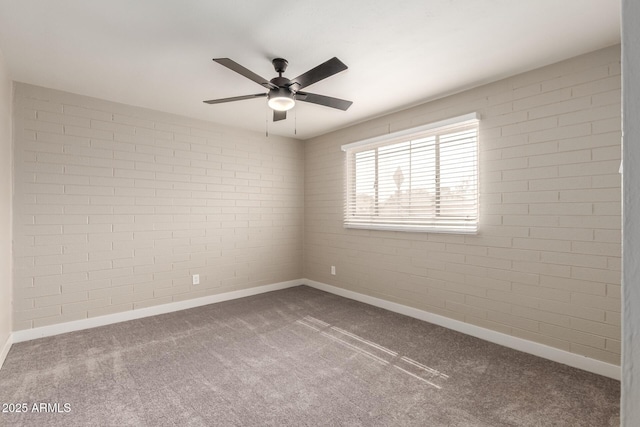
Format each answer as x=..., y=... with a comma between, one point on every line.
x=422, y=179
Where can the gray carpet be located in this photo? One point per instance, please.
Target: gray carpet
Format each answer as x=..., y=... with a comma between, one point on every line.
x=297, y=357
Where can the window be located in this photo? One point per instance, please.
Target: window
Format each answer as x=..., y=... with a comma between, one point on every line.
x=422, y=179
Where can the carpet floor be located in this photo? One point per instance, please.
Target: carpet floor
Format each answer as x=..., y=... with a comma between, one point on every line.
x=298, y=357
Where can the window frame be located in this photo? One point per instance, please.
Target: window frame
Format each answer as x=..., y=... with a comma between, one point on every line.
x=432, y=129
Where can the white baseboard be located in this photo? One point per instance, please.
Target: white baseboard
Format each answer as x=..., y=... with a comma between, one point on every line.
x=77, y=325
x=5, y=349
x=540, y=350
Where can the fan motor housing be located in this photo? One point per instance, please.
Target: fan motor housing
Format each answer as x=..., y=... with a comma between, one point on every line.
x=281, y=82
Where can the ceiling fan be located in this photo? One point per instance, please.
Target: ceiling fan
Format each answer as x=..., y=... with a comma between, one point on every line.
x=283, y=93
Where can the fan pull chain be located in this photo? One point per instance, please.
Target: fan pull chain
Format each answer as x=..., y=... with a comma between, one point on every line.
x=266, y=123
x=295, y=121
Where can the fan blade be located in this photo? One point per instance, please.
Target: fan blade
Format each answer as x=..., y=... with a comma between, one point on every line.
x=234, y=66
x=321, y=72
x=235, y=98
x=279, y=115
x=327, y=101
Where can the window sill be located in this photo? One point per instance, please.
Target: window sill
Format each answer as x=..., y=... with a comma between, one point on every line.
x=472, y=230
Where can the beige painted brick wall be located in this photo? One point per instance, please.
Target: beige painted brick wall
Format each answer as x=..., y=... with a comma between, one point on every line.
x=116, y=207
x=545, y=265
x=5, y=205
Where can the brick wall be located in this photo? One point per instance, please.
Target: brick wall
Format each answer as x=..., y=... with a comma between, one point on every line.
x=5, y=208
x=545, y=265
x=116, y=207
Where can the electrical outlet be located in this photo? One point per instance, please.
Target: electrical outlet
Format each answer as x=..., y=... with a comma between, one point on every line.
x=333, y=270
x=196, y=279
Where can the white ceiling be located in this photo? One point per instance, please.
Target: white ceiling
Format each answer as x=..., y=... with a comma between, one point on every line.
x=157, y=53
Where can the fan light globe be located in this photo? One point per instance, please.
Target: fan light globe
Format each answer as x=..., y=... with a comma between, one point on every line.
x=281, y=103
x=281, y=100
